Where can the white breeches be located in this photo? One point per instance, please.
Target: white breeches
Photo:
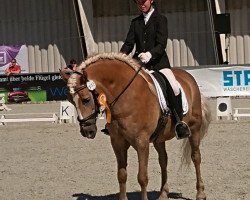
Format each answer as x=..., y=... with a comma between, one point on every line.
x=171, y=78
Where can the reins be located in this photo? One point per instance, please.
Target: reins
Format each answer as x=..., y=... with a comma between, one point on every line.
x=132, y=79
x=83, y=121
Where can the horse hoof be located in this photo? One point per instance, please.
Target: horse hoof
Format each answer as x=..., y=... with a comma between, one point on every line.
x=201, y=198
x=163, y=197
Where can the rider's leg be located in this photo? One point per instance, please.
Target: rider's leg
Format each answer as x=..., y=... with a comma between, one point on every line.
x=175, y=104
x=171, y=79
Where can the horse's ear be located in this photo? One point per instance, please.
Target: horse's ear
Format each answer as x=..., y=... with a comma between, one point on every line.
x=65, y=75
x=85, y=74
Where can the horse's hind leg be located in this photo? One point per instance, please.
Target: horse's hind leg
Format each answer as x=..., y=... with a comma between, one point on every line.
x=163, y=161
x=120, y=147
x=196, y=158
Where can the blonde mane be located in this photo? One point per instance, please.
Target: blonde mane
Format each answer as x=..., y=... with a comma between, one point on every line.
x=111, y=56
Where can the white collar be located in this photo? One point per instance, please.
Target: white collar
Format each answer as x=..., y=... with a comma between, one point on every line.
x=147, y=15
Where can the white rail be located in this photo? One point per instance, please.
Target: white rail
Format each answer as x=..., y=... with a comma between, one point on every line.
x=238, y=113
x=23, y=117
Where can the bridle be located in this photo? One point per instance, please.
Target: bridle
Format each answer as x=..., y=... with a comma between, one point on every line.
x=94, y=114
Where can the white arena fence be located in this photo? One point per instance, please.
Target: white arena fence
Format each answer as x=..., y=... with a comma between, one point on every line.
x=241, y=112
x=28, y=117
x=224, y=108
x=67, y=113
x=2, y=103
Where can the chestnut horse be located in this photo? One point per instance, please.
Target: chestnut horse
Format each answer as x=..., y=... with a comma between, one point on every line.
x=126, y=92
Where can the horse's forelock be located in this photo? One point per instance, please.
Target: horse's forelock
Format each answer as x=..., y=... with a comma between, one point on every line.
x=72, y=83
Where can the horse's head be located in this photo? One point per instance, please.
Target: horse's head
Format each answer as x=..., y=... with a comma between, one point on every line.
x=82, y=95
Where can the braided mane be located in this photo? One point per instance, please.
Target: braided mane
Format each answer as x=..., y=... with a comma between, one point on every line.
x=111, y=56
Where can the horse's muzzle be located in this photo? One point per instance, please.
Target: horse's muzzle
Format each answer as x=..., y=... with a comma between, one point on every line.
x=88, y=129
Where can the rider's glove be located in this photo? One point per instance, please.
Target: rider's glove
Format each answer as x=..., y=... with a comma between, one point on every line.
x=145, y=57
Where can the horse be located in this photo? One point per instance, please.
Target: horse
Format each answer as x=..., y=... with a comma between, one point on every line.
x=120, y=86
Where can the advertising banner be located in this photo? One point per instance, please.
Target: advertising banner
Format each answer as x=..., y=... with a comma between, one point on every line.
x=213, y=82
x=20, y=53
x=33, y=87
x=223, y=81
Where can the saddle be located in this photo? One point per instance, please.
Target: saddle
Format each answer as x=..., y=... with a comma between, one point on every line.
x=169, y=102
x=163, y=83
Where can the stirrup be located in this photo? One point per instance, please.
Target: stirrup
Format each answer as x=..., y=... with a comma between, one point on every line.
x=182, y=130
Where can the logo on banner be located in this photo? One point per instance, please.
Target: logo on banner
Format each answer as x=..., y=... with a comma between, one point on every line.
x=2, y=58
x=236, y=80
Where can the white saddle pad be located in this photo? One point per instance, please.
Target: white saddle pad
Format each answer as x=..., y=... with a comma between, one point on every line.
x=162, y=100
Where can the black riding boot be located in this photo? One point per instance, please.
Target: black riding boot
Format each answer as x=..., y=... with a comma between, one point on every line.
x=105, y=130
x=181, y=128
x=175, y=105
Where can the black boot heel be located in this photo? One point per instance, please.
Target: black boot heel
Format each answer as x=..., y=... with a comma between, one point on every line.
x=105, y=131
x=182, y=130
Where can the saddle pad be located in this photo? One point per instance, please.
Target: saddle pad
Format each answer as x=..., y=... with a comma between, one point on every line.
x=162, y=100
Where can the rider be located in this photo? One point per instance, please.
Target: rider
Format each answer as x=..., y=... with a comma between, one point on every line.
x=149, y=32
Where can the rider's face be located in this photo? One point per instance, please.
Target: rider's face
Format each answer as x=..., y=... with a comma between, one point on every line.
x=144, y=5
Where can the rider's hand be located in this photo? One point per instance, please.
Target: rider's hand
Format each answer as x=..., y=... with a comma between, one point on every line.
x=145, y=57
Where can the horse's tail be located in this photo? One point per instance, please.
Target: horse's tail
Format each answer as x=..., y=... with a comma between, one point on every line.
x=206, y=119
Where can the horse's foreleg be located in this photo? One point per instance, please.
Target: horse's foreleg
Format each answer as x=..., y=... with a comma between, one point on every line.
x=120, y=147
x=142, y=148
x=163, y=161
x=196, y=158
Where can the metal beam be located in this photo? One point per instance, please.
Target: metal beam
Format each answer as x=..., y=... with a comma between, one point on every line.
x=215, y=35
x=80, y=29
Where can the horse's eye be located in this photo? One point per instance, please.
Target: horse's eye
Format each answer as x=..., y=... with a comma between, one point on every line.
x=86, y=100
